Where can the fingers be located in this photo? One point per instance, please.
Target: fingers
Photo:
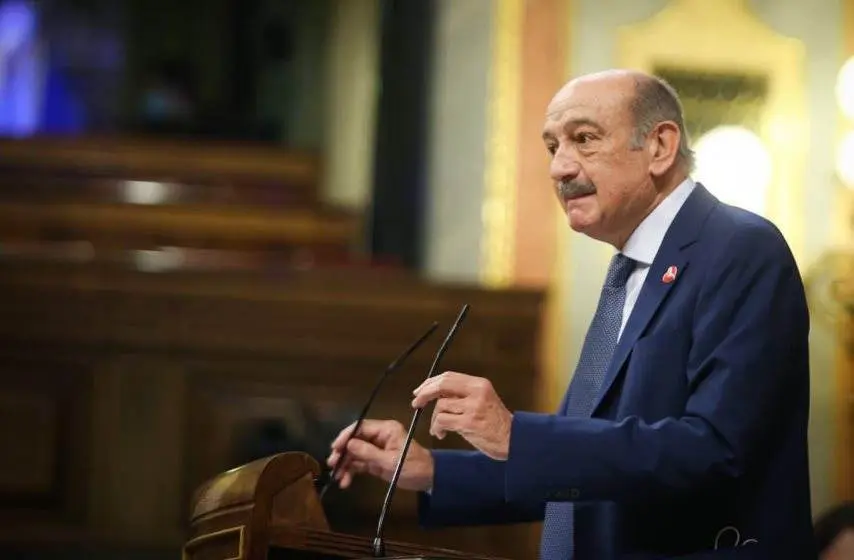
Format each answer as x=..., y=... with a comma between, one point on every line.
x=445, y=406
x=449, y=384
x=457, y=396
x=335, y=457
x=346, y=476
x=373, y=450
x=347, y=470
x=361, y=457
x=359, y=450
x=445, y=422
x=376, y=431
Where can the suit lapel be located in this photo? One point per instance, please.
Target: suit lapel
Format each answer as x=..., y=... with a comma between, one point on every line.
x=682, y=233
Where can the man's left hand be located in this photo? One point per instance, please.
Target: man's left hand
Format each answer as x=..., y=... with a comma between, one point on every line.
x=470, y=407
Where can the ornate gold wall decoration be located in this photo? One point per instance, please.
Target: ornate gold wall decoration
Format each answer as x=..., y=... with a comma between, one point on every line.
x=499, y=201
x=841, y=293
x=712, y=98
x=748, y=75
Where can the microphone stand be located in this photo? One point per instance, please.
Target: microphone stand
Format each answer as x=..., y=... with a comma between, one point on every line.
x=364, y=413
x=378, y=544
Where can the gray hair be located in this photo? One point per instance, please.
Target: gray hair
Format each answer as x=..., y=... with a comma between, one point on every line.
x=656, y=101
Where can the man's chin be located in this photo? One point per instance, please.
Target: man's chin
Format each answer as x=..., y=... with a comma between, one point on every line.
x=575, y=225
x=579, y=221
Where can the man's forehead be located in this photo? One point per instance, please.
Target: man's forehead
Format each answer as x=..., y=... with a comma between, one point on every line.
x=594, y=98
x=589, y=95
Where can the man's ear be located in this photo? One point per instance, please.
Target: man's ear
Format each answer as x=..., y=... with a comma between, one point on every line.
x=663, y=145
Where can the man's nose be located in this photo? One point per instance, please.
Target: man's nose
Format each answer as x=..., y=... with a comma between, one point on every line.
x=564, y=167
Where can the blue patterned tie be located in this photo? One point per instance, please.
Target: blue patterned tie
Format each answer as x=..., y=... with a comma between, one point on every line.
x=557, y=538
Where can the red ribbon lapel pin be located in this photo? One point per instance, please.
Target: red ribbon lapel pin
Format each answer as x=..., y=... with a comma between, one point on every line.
x=670, y=275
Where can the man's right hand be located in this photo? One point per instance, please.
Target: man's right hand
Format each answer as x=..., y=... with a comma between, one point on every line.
x=375, y=450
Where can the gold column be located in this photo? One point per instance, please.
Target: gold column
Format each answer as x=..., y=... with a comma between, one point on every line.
x=499, y=201
x=544, y=46
x=540, y=222
x=845, y=338
x=520, y=241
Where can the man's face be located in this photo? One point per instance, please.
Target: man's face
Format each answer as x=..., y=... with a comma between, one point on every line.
x=603, y=185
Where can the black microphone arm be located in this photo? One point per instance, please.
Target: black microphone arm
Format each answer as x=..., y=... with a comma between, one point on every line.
x=379, y=542
x=362, y=415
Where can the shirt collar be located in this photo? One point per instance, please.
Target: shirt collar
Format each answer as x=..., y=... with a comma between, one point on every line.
x=644, y=242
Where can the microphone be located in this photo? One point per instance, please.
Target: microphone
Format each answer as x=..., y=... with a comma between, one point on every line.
x=379, y=542
x=362, y=415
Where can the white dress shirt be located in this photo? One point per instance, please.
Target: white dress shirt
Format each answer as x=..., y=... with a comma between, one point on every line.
x=645, y=241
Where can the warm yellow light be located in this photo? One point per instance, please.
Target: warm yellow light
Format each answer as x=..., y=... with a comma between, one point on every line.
x=845, y=88
x=845, y=160
x=734, y=164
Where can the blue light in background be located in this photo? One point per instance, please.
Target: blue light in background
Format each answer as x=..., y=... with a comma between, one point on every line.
x=20, y=68
x=34, y=95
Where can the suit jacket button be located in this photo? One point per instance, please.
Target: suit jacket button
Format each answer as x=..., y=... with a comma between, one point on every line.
x=574, y=494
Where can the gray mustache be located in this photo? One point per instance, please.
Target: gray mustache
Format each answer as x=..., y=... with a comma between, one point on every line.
x=572, y=189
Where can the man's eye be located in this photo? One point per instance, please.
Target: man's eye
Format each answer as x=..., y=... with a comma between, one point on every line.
x=583, y=137
x=552, y=148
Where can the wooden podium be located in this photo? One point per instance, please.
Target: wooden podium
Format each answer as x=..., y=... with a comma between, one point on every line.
x=270, y=508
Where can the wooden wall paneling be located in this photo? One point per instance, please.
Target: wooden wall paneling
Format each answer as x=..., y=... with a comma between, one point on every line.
x=45, y=405
x=146, y=447
x=265, y=316
x=178, y=365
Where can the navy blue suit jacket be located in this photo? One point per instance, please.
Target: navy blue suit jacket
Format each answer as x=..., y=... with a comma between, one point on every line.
x=699, y=437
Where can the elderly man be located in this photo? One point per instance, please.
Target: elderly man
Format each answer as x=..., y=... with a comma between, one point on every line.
x=684, y=428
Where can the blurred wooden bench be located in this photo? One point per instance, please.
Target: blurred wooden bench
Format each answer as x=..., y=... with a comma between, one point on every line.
x=210, y=163
x=121, y=195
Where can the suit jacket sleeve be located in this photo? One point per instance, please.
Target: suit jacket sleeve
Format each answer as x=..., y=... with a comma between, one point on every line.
x=468, y=489
x=747, y=370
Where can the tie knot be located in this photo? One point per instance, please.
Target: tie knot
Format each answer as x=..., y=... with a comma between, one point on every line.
x=619, y=270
